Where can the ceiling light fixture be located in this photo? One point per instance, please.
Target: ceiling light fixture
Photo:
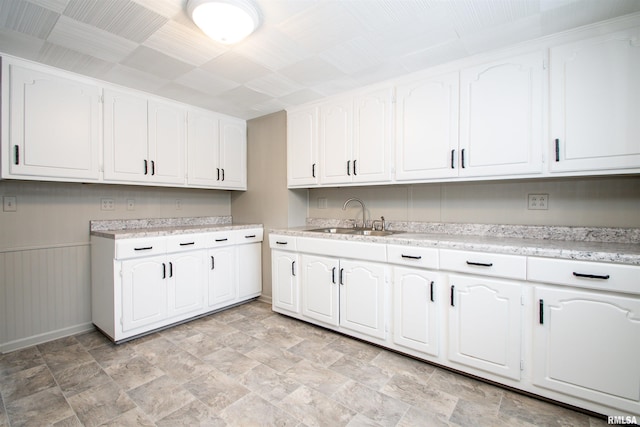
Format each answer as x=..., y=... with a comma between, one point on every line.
x=225, y=21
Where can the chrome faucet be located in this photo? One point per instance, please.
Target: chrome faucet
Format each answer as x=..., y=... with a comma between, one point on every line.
x=378, y=221
x=355, y=199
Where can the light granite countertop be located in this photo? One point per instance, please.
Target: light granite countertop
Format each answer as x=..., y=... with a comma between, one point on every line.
x=136, y=228
x=610, y=245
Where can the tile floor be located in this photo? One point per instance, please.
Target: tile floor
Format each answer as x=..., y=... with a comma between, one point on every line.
x=248, y=366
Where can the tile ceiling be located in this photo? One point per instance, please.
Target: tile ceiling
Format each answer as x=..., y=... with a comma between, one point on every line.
x=304, y=49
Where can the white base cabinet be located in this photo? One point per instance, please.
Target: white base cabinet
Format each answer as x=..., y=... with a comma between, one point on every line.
x=566, y=330
x=142, y=284
x=587, y=344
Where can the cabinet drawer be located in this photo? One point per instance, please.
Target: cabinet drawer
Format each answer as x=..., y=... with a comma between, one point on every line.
x=412, y=255
x=249, y=235
x=220, y=238
x=284, y=243
x=134, y=248
x=186, y=242
x=482, y=263
x=594, y=275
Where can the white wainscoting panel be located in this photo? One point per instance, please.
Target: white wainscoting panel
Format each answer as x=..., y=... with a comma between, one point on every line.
x=45, y=293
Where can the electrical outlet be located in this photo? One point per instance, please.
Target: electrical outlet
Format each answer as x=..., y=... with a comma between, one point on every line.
x=131, y=205
x=9, y=204
x=107, y=205
x=538, y=202
x=178, y=204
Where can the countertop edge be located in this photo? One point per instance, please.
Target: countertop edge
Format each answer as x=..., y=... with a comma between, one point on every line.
x=169, y=231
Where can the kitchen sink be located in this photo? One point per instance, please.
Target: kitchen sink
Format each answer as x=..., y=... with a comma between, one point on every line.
x=355, y=231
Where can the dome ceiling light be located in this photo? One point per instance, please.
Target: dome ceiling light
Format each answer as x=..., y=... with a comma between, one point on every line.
x=225, y=21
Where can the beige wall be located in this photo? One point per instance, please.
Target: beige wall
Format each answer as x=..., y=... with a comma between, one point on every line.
x=601, y=202
x=50, y=213
x=45, y=289
x=267, y=199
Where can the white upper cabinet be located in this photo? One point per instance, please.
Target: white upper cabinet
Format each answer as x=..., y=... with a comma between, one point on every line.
x=217, y=151
x=203, y=140
x=427, y=128
x=302, y=147
x=54, y=126
x=233, y=154
x=336, y=140
x=355, y=139
x=595, y=99
x=501, y=106
x=143, y=140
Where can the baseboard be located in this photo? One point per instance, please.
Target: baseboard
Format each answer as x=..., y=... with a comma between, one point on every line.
x=42, y=338
x=265, y=299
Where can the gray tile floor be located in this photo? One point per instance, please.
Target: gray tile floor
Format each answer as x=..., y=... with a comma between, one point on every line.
x=248, y=366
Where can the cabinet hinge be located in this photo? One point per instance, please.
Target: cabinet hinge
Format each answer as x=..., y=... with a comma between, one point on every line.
x=521, y=300
x=521, y=365
x=544, y=64
x=101, y=99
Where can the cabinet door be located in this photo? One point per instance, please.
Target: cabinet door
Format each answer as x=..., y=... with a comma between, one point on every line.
x=187, y=275
x=166, y=142
x=144, y=292
x=302, y=146
x=427, y=128
x=336, y=133
x=415, y=318
x=126, y=156
x=233, y=154
x=485, y=325
x=222, y=281
x=595, y=99
x=284, y=273
x=249, y=258
x=501, y=117
x=362, y=297
x=587, y=344
x=53, y=126
x=372, y=156
x=320, y=289
x=203, y=140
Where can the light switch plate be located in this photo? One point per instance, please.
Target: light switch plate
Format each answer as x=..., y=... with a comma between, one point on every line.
x=9, y=204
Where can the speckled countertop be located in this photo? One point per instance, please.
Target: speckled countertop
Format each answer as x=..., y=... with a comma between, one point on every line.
x=616, y=245
x=154, y=227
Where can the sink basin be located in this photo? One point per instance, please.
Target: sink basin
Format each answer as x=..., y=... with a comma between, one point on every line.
x=354, y=231
x=334, y=230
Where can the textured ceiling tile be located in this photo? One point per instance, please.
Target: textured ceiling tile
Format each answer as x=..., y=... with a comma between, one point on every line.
x=166, y=8
x=311, y=71
x=67, y=59
x=584, y=12
x=320, y=27
x=136, y=79
x=243, y=96
x=121, y=17
x=206, y=82
x=301, y=97
x=354, y=55
x=57, y=6
x=19, y=44
x=156, y=63
x=184, y=43
x=267, y=107
x=434, y=55
x=27, y=18
x=236, y=67
x=498, y=36
x=272, y=49
x=90, y=40
x=181, y=93
x=274, y=85
x=470, y=16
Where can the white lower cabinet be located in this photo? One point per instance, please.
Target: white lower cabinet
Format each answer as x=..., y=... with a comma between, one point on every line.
x=416, y=319
x=142, y=284
x=222, y=276
x=562, y=329
x=587, y=344
x=284, y=281
x=345, y=293
x=144, y=292
x=485, y=327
